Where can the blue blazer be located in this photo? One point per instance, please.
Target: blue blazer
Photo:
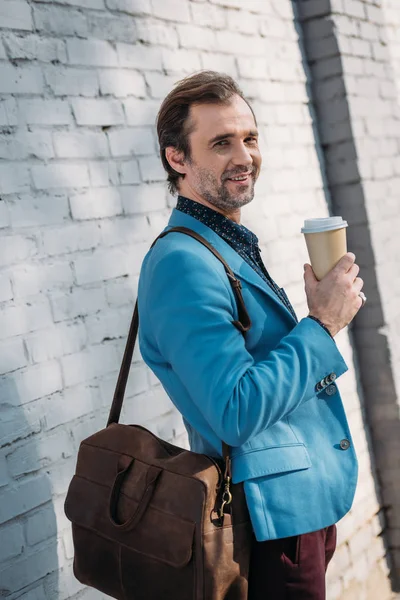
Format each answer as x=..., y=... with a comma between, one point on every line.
x=268, y=394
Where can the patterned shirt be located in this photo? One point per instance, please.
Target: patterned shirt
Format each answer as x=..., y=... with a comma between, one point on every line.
x=241, y=239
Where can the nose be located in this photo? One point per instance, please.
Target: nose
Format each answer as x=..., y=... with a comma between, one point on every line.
x=242, y=155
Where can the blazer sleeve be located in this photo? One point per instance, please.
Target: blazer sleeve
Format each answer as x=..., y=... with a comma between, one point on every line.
x=190, y=311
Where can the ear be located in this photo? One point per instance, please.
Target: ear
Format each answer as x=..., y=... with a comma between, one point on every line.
x=175, y=159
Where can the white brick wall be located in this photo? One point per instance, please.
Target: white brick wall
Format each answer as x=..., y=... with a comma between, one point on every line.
x=82, y=195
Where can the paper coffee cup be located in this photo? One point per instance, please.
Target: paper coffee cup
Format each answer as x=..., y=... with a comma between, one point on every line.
x=326, y=243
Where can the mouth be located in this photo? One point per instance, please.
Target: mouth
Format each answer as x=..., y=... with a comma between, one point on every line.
x=240, y=180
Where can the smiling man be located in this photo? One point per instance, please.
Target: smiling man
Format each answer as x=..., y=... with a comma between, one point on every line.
x=270, y=392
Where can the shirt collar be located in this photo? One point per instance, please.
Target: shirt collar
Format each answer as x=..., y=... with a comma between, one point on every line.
x=233, y=233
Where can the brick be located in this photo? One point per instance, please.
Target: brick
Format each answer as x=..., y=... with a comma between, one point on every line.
x=96, y=204
x=156, y=34
x=15, y=320
x=4, y=476
x=209, y=16
x=76, y=144
x=34, y=47
x=16, y=425
x=128, y=141
x=140, y=112
x=32, y=456
x=79, y=302
x=12, y=355
x=42, y=210
x=126, y=231
x=129, y=172
x=219, y=62
x=329, y=67
x=122, y=83
x=374, y=14
x=226, y=40
x=273, y=28
x=24, y=496
x=101, y=265
x=31, y=383
x=83, y=366
x=61, y=474
x=191, y=36
x=151, y=169
x=16, y=14
x=12, y=541
x=56, y=20
x=14, y=178
x=108, y=325
x=26, y=144
x=361, y=48
x=103, y=173
x=111, y=27
x=31, y=279
x=8, y=112
x=104, y=112
x=171, y=10
x=14, y=249
x=180, y=61
x=72, y=82
x=380, y=51
x=64, y=338
x=20, y=573
x=44, y=112
x=94, y=53
x=323, y=48
x=81, y=3
x=6, y=292
x=143, y=198
x=60, y=176
x=36, y=593
x=243, y=22
x=41, y=526
x=355, y=8
x=74, y=403
x=160, y=85
x=132, y=7
x=135, y=56
x=122, y=291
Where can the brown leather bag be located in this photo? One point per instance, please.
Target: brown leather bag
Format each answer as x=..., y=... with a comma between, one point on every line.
x=152, y=521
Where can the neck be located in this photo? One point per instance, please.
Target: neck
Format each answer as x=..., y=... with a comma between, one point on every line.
x=233, y=215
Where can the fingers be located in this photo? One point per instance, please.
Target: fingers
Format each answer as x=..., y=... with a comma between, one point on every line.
x=353, y=272
x=346, y=262
x=358, y=284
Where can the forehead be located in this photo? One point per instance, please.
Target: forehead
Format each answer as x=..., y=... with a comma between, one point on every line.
x=209, y=119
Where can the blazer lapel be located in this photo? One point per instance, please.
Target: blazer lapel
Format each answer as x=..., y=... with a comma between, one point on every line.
x=239, y=266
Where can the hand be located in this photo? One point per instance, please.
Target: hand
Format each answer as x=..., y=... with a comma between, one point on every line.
x=334, y=300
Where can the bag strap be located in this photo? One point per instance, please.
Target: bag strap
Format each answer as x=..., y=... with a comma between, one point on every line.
x=243, y=324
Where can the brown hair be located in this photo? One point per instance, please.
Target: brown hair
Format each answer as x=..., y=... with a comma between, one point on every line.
x=173, y=128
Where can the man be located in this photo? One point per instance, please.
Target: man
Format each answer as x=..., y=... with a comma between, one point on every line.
x=269, y=394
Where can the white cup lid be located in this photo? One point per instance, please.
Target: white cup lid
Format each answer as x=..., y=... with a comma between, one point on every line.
x=323, y=224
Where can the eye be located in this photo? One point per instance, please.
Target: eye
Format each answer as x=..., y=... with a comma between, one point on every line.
x=222, y=142
x=253, y=140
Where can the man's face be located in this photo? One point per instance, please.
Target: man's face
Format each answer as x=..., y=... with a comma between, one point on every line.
x=224, y=145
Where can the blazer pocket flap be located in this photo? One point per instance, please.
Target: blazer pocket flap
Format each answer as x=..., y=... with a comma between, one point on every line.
x=269, y=461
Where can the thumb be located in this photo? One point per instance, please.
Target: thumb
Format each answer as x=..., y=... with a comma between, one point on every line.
x=309, y=276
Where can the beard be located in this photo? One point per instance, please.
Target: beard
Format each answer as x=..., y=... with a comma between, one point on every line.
x=219, y=194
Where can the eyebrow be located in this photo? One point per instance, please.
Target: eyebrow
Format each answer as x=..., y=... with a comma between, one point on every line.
x=226, y=136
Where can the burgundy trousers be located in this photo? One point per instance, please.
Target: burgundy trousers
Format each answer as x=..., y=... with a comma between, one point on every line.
x=291, y=568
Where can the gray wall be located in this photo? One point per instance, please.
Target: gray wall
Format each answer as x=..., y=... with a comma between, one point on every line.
x=82, y=195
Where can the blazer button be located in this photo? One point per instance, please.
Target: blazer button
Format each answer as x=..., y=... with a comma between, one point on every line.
x=344, y=444
x=331, y=377
x=331, y=389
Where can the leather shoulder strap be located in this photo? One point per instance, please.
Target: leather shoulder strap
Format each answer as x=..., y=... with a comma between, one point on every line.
x=243, y=324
